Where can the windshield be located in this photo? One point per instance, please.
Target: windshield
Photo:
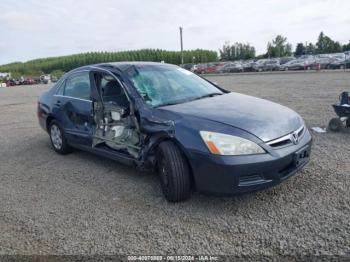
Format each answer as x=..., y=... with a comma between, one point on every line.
x=165, y=84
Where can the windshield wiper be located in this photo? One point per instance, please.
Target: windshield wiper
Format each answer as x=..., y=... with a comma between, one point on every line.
x=207, y=95
x=172, y=103
x=188, y=100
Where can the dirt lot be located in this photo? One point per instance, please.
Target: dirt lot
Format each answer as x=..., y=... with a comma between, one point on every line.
x=84, y=204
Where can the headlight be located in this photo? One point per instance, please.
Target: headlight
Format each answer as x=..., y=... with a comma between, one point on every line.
x=221, y=144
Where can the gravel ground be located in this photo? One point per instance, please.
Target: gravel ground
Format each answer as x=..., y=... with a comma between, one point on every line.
x=84, y=204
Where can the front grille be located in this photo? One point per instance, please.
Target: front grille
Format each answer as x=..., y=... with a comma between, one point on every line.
x=287, y=139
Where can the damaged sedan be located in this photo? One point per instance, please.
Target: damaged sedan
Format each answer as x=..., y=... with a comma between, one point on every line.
x=195, y=134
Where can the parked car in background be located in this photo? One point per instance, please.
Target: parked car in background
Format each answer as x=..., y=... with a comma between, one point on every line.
x=323, y=63
x=10, y=82
x=283, y=60
x=340, y=64
x=224, y=68
x=304, y=62
x=203, y=68
x=200, y=68
x=194, y=68
x=209, y=68
x=306, y=57
x=257, y=65
x=309, y=64
x=248, y=65
x=298, y=64
x=36, y=80
x=28, y=81
x=218, y=66
x=45, y=79
x=291, y=65
x=268, y=65
x=231, y=67
x=54, y=79
x=340, y=56
x=187, y=66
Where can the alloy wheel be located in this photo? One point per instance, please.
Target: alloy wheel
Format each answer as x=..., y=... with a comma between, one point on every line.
x=56, y=137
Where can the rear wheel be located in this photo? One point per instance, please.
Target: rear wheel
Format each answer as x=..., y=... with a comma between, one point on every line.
x=335, y=124
x=174, y=172
x=58, y=139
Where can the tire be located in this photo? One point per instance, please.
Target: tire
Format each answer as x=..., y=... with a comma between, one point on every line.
x=335, y=124
x=286, y=69
x=174, y=172
x=58, y=139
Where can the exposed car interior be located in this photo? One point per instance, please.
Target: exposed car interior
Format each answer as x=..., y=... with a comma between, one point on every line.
x=116, y=126
x=113, y=92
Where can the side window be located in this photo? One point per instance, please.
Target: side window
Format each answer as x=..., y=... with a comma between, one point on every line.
x=78, y=86
x=60, y=89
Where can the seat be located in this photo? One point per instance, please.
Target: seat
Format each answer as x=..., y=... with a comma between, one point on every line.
x=113, y=92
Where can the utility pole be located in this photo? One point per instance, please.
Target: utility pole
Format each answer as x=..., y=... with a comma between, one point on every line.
x=305, y=52
x=182, y=54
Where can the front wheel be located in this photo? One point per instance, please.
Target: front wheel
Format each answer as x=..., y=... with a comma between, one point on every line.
x=58, y=139
x=174, y=172
x=335, y=124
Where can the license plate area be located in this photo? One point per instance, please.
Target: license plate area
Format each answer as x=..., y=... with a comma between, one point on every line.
x=301, y=156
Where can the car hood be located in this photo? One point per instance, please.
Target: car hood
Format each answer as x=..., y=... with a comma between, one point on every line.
x=262, y=118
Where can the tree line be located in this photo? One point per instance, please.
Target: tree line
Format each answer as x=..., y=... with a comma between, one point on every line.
x=279, y=47
x=59, y=65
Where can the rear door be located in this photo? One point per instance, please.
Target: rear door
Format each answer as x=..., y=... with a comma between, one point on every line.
x=73, y=108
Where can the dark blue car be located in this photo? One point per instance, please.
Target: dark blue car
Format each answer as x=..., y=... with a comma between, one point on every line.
x=197, y=135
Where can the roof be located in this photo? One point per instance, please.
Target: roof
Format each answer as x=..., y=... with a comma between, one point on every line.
x=122, y=66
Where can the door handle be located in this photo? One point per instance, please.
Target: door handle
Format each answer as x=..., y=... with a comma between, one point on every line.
x=58, y=103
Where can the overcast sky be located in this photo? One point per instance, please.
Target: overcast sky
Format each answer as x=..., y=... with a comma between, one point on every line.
x=36, y=28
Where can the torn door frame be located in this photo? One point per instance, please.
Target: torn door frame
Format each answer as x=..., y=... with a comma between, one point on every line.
x=152, y=129
x=114, y=127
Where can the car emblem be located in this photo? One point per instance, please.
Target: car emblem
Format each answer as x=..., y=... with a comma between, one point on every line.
x=295, y=138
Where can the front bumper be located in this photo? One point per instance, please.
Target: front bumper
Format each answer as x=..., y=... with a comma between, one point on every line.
x=229, y=175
